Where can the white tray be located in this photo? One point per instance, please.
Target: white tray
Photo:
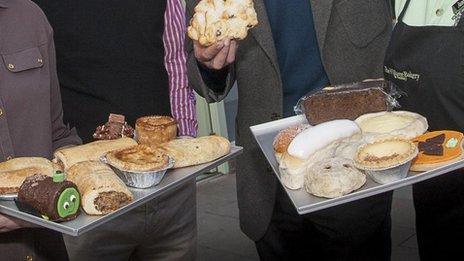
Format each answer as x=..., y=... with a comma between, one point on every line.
x=306, y=203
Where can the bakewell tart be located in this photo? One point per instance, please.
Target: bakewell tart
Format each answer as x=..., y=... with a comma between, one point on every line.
x=438, y=148
x=385, y=154
x=139, y=158
x=406, y=124
x=155, y=130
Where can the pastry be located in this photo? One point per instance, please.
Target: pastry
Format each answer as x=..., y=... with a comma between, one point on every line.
x=384, y=154
x=334, y=177
x=115, y=128
x=139, y=158
x=347, y=102
x=438, y=148
x=312, y=145
x=386, y=160
x=155, y=130
x=215, y=20
x=13, y=172
x=398, y=123
x=54, y=198
x=91, y=151
x=189, y=152
x=348, y=148
x=102, y=192
x=284, y=137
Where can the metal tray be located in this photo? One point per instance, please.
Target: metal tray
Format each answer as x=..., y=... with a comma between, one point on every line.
x=8, y=197
x=84, y=223
x=307, y=203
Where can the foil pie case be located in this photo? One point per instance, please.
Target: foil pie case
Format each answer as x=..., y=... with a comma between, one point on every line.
x=140, y=179
x=392, y=173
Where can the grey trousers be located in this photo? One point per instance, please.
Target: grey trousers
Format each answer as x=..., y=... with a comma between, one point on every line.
x=163, y=229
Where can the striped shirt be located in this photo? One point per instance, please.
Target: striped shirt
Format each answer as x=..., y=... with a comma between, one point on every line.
x=182, y=97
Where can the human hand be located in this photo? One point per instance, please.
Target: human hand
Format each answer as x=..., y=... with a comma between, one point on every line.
x=8, y=223
x=216, y=56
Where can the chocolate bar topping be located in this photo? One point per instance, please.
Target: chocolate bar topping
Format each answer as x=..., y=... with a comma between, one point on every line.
x=437, y=139
x=115, y=128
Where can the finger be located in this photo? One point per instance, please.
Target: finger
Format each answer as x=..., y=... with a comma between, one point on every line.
x=232, y=51
x=227, y=41
x=205, y=54
x=220, y=59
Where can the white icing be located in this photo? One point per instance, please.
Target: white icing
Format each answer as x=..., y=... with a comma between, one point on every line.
x=316, y=138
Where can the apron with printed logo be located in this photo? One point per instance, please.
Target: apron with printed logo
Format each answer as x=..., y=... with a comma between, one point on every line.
x=427, y=63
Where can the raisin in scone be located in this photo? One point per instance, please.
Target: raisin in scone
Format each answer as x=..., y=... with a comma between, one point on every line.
x=215, y=20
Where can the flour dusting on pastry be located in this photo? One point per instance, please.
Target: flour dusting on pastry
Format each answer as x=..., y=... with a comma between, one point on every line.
x=215, y=20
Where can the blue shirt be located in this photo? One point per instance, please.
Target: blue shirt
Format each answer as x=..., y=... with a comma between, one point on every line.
x=297, y=49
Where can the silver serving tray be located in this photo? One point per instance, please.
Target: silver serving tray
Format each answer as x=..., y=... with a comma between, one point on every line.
x=8, y=197
x=307, y=203
x=140, y=179
x=84, y=223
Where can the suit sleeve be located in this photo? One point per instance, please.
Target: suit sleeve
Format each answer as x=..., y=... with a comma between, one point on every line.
x=209, y=86
x=62, y=135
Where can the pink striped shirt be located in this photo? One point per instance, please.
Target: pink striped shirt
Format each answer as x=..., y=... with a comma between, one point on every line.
x=181, y=95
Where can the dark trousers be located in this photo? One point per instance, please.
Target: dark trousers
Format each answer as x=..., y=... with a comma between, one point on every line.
x=358, y=230
x=32, y=244
x=439, y=204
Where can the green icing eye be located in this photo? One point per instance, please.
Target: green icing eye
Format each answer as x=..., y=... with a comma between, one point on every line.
x=68, y=202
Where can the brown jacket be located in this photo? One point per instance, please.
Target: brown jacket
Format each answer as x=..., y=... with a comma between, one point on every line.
x=31, y=116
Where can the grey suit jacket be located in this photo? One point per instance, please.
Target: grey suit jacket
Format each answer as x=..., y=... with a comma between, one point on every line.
x=352, y=36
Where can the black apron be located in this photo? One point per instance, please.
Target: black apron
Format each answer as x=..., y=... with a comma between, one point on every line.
x=427, y=64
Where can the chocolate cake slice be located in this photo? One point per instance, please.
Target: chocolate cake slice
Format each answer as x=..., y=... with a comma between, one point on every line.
x=54, y=198
x=347, y=102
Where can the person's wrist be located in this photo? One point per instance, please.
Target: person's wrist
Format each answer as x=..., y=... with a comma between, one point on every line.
x=205, y=68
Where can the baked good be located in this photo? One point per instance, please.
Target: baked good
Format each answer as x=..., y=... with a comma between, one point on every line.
x=102, y=192
x=155, y=130
x=347, y=102
x=318, y=137
x=215, y=20
x=348, y=148
x=189, y=152
x=385, y=153
x=139, y=158
x=91, y=151
x=312, y=145
x=438, y=148
x=115, y=128
x=55, y=199
x=334, y=177
x=13, y=172
x=284, y=137
x=406, y=124
x=386, y=160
